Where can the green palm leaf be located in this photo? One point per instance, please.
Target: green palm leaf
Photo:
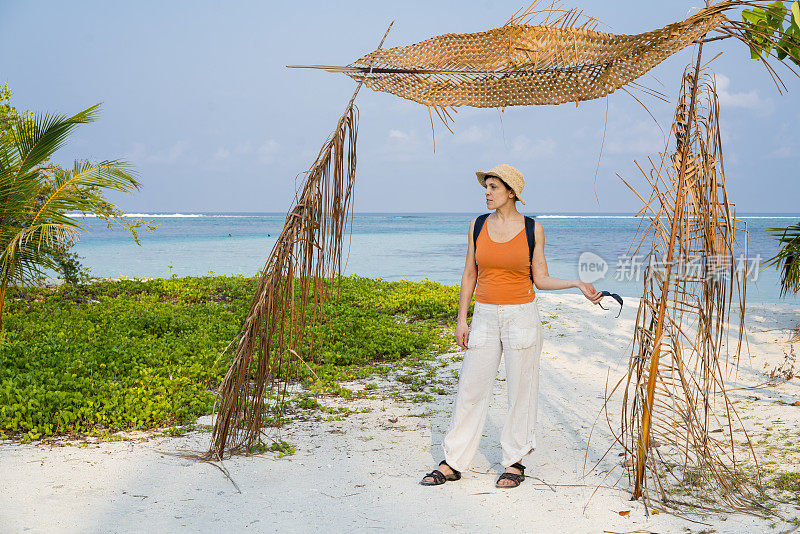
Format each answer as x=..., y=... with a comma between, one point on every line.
x=787, y=260
x=29, y=251
x=38, y=139
x=72, y=192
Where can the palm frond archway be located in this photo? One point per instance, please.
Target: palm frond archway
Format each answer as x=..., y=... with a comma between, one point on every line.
x=560, y=59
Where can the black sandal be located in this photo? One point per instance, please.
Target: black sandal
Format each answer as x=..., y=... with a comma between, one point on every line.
x=515, y=478
x=439, y=477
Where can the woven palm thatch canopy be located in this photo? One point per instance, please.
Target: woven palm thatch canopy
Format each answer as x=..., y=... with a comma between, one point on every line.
x=521, y=65
x=518, y=64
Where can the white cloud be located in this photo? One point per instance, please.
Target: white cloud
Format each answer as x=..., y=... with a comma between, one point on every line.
x=266, y=152
x=174, y=153
x=401, y=146
x=244, y=148
x=785, y=151
x=139, y=153
x=247, y=151
x=580, y=133
x=748, y=100
x=786, y=146
x=470, y=136
x=638, y=138
x=222, y=153
x=397, y=135
x=525, y=148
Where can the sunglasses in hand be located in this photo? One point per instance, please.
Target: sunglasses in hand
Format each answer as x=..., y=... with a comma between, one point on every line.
x=613, y=296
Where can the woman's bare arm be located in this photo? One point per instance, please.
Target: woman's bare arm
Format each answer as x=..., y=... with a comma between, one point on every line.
x=542, y=278
x=468, y=280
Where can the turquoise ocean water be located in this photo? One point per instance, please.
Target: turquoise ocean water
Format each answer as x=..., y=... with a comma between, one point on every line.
x=394, y=246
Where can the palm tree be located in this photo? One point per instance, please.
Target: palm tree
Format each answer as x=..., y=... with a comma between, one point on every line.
x=36, y=196
x=787, y=259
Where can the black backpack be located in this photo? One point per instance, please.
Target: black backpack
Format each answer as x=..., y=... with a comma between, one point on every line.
x=530, y=226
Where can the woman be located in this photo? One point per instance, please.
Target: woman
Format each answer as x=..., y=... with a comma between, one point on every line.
x=505, y=321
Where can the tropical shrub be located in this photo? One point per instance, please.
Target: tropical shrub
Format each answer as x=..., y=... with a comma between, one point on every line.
x=144, y=354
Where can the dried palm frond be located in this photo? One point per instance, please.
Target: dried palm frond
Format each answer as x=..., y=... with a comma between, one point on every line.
x=307, y=252
x=555, y=61
x=306, y=255
x=678, y=425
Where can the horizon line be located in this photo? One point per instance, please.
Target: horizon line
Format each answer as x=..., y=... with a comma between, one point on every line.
x=633, y=213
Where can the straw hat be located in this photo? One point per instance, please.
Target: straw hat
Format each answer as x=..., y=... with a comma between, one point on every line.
x=508, y=174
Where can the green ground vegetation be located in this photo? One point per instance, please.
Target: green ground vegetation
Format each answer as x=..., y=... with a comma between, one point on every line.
x=135, y=354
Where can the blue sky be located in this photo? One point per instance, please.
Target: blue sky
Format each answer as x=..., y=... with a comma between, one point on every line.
x=197, y=97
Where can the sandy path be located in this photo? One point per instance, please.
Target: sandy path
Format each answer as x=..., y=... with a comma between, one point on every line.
x=363, y=472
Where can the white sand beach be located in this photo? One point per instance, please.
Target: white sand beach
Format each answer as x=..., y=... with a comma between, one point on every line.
x=363, y=472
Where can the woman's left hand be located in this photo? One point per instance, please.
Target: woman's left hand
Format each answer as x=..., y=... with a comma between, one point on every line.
x=590, y=292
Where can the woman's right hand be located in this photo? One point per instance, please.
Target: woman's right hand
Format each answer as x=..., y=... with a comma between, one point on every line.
x=590, y=292
x=462, y=334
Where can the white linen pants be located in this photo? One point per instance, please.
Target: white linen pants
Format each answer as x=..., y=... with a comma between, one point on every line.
x=515, y=331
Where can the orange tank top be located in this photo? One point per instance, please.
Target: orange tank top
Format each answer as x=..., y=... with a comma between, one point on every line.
x=503, y=270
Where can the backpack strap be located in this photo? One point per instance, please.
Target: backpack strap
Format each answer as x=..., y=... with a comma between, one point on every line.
x=476, y=230
x=530, y=227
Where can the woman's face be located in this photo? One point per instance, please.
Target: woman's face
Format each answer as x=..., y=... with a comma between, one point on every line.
x=496, y=193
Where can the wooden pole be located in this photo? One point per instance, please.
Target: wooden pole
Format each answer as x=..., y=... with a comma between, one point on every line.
x=644, y=435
